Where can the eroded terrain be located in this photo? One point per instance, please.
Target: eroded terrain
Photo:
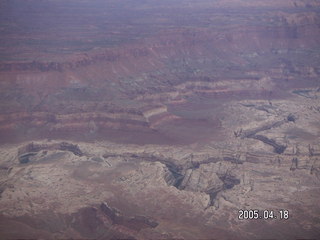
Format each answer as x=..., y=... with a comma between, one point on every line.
x=162, y=128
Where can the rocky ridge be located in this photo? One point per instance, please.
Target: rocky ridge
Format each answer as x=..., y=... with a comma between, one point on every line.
x=161, y=129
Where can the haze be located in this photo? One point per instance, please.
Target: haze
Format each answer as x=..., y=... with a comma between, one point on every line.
x=159, y=119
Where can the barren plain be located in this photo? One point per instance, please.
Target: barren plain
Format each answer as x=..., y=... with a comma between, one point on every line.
x=159, y=119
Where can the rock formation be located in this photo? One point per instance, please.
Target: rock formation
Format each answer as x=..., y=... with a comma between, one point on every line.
x=159, y=119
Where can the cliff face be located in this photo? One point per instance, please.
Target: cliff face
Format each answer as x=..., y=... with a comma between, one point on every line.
x=106, y=190
x=223, y=51
x=90, y=93
x=159, y=119
x=300, y=32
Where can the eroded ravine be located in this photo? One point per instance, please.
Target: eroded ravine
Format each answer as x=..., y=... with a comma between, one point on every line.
x=161, y=128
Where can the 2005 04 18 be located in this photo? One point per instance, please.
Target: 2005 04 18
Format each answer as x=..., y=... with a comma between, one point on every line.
x=253, y=214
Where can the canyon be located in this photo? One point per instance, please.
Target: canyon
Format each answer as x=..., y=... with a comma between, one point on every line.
x=159, y=120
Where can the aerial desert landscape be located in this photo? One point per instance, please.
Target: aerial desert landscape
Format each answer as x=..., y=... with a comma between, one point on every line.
x=171, y=119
